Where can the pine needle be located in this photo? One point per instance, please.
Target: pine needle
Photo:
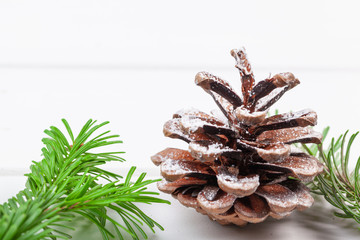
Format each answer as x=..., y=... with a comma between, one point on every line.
x=336, y=184
x=66, y=184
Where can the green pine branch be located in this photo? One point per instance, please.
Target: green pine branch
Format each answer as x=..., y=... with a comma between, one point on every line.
x=68, y=182
x=337, y=184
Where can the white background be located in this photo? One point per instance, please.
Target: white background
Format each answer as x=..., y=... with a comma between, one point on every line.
x=133, y=63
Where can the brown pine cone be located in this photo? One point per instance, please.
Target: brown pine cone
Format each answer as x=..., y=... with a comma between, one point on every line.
x=241, y=168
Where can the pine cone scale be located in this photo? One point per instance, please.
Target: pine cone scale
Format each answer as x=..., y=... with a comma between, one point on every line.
x=175, y=169
x=267, y=101
x=239, y=186
x=305, y=200
x=171, y=153
x=290, y=135
x=253, y=209
x=211, y=83
x=187, y=200
x=302, y=118
x=279, y=198
x=303, y=168
x=215, y=201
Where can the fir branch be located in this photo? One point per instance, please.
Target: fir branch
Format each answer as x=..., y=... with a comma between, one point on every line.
x=339, y=186
x=66, y=183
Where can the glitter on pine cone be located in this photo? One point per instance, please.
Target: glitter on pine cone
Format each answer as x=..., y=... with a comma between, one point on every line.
x=241, y=168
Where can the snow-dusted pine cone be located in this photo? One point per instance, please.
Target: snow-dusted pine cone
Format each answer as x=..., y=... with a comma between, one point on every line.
x=241, y=168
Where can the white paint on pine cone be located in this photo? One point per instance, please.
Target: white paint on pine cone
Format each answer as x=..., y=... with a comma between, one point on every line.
x=191, y=124
x=174, y=167
x=267, y=98
x=212, y=149
x=219, y=115
x=275, y=153
x=240, y=186
x=249, y=118
x=187, y=111
x=210, y=193
x=173, y=127
x=244, y=183
x=295, y=150
x=163, y=186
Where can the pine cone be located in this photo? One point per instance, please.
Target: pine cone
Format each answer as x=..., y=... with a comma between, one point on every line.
x=242, y=167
